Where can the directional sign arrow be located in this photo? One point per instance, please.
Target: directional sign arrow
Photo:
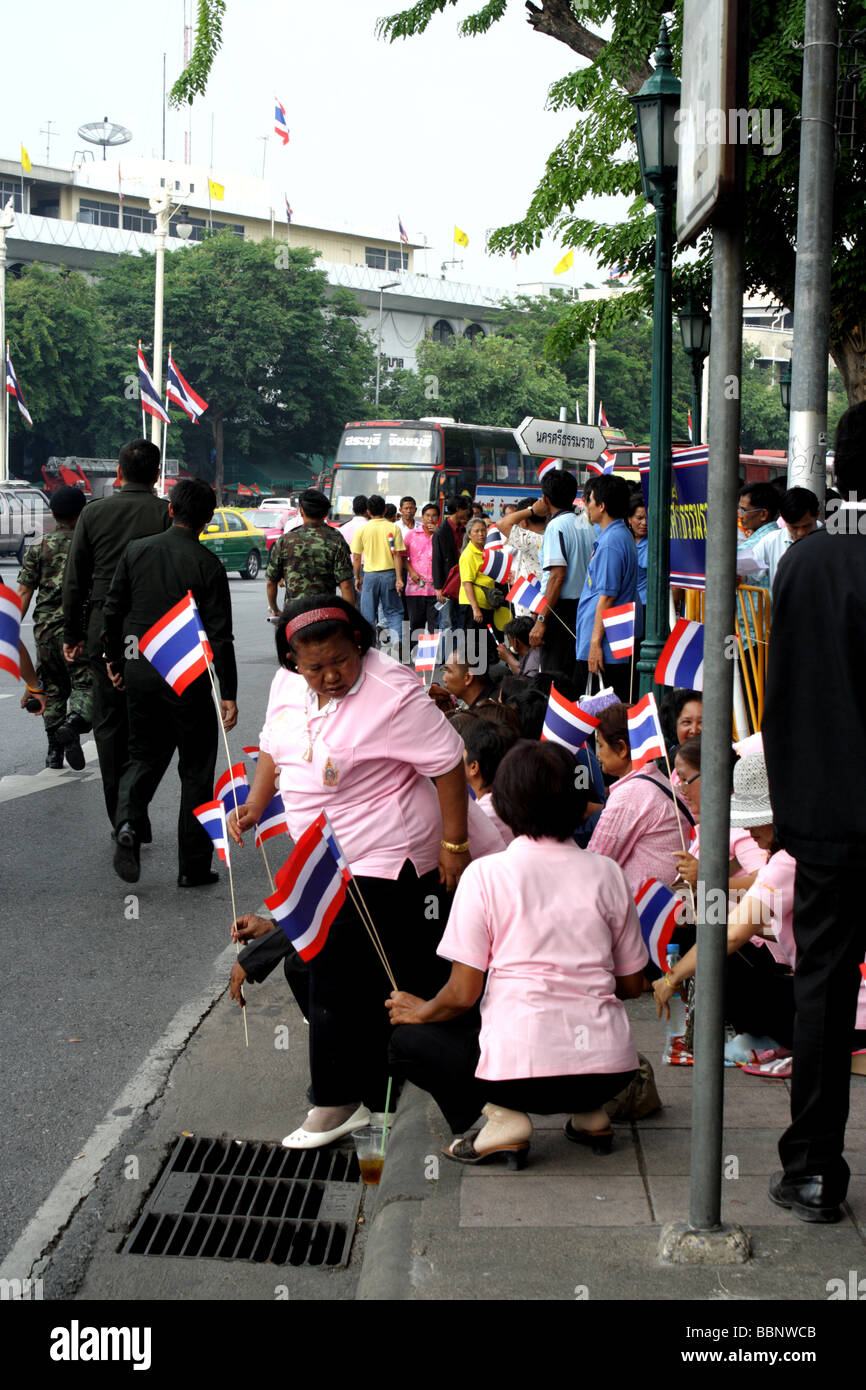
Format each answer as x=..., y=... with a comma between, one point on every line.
x=558, y=439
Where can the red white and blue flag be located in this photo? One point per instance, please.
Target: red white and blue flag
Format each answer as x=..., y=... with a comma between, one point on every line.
x=10, y=630
x=682, y=660
x=602, y=418
x=232, y=789
x=497, y=564
x=180, y=391
x=252, y=752
x=658, y=909
x=618, y=625
x=547, y=466
x=177, y=646
x=494, y=540
x=566, y=723
x=289, y=213
x=272, y=820
x=691, y=435
x=403, y=236
x=14, y=389
x=527, y=594
x=645, y=733
x=310, y=889
x=150, y=401
x=211, y=815
x=427, y=651
x=603, y=464
x=281, y=125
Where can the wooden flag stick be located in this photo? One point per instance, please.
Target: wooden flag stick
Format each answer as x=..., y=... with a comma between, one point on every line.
x=228, y=851
x=268, y=867
x=364, y=914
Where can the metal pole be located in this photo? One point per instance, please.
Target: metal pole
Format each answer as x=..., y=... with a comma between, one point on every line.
x=379, y=349
x=7, y=219
x=807, y=431
x=705, y=405
x=658, y=551
x=160, y=232
x=590, y=387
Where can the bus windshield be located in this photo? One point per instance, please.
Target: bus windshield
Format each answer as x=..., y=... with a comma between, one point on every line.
x=390, y=483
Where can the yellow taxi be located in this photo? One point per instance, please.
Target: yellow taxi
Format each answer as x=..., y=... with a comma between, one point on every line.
x=240, y=545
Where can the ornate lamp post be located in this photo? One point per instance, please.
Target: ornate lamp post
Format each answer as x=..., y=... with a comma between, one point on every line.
x=695, y=325
x=656, y=105
x=785, y=388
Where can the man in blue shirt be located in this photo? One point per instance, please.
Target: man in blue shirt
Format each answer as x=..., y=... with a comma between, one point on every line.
x=565, y=553
x=611, y=580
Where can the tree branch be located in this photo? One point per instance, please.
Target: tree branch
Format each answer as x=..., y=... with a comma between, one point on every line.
x=556, y=19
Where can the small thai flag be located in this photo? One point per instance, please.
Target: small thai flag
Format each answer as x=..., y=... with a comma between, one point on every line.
x=527, y=594
x=618, y=624
x=602, y=418
x=658, y=909
x=180, y=391
x=311, y=889
x=403, y=236
x=232, y=789
x=566, y=723
x=427, y=651
x=272, y=821
x=14, y=389
x=281, y=125
x=645, y=733
x=150, y=401
x=289, y=213
x=494, y=540
x=547, y=466
x=682, y=660
x=177, y=646
x=212, y=816
x=10, y=630
x=253, y=753
x=603, y=464
x=691, y=435
x=497, y=565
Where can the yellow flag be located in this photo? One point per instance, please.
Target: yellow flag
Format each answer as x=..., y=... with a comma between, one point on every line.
x=25, y=161
x=460, y=237
x=565, y=264
x=217, y=190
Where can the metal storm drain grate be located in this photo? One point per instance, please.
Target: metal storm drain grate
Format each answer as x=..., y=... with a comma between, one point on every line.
x=245, y=1201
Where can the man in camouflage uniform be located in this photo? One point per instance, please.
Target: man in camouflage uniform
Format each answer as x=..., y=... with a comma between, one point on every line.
x=62, y=681
x=313, y=559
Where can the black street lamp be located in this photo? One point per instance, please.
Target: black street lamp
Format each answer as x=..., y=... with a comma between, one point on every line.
x=656, y=105
x=785, y=388
x=695, y=326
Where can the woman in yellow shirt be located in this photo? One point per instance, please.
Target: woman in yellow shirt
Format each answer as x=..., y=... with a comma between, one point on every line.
x=475, y=591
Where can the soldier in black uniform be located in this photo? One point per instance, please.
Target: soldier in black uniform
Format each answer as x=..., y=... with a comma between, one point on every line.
x=153, y=575
x=101, y=535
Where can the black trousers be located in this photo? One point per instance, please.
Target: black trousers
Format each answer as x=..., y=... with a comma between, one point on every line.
x=441, y=1058
x=615, y=674
x=759, y=994
x=159, y=723
x=557, y=649
x=422, y=612
x=349, y=1025
x=830, y=932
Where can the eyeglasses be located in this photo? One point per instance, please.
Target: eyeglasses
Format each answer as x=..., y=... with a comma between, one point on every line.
x=746, y=511
x=687, y=781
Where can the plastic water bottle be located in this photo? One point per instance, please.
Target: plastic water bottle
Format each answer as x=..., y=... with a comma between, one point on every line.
x=676, y=1024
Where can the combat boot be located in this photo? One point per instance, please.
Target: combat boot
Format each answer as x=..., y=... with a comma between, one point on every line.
x=54, y=756
x=68, y=736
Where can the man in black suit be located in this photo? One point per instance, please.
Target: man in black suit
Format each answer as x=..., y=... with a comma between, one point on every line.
x=447, y=544
x=815, y=745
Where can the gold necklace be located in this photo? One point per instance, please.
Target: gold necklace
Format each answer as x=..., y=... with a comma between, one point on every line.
x=307, y=753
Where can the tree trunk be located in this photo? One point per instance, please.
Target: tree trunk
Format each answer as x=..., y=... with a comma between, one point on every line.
x=849, y=354
x=216, y=425
x=556, y=19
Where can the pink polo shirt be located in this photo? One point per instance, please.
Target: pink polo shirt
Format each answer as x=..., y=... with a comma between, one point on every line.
x=373, y=758
x=486, y=804
x=774, y=889
x=638, y=829
x=553, y=925
x=419, y=548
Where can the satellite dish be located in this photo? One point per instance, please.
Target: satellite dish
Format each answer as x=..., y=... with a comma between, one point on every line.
x=105, y=133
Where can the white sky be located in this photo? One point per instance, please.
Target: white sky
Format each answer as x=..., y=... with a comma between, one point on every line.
x=438, y=129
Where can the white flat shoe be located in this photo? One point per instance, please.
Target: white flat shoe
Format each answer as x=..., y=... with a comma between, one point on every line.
x=307, y=1139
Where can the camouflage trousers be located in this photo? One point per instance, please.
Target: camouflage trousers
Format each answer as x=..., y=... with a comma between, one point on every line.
x=63, y=681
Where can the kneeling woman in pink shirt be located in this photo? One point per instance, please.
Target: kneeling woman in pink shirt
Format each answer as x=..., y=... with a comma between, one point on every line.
x=556, y=931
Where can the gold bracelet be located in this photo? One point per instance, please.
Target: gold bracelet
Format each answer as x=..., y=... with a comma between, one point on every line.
x=669, y=979
x=455, y=849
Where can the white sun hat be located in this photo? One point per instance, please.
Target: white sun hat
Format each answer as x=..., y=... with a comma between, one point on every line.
x=750, y=804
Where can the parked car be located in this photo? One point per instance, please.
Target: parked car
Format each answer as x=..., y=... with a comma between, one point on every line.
x=239, y=545
x=25, y=517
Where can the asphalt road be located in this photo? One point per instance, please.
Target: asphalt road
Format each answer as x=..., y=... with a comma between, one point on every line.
x=97, y=969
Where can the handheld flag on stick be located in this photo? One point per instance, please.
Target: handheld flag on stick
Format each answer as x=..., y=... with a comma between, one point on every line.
x=427, y=651
x=180, y=391
x=494, y=540
x=682, y=660
x=150, y=401
x=14, y=389
x=527, y=594
x=657, y=908
x=211, y=815
x=497, y=565
x=252, y=753
x=619, y=626
x=645, y=733
x=272, y=821
x=603, y=464
x=232, y=789
x=311, y=889
x=547, y=466
x=10, y=630
x=566, y=723
x=177, y=646
x=281, y=125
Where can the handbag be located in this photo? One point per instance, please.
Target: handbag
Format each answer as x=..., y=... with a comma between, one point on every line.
x=451, y=587
x=640, y=1097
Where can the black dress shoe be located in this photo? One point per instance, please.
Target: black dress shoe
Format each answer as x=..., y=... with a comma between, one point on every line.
x=808, y=1198
x=126, y=854
x=197, y=880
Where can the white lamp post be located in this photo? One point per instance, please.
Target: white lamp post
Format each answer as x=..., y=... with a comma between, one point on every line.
x=390, y=286
x=7, y=221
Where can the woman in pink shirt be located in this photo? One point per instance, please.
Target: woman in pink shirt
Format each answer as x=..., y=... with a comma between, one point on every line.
x=351, y=732
x=556, y=932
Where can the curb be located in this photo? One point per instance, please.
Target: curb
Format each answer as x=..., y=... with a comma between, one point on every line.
x=386, y=1268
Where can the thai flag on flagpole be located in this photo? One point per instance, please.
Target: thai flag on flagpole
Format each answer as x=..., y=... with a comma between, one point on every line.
x=272, y=821
x=682, y=660
x=289, y=213
x=232, y=789
x=691, y=436
x=211, y=815
x=566, y=723
x=603, y=464
x=658, y=909
x=618, y=623
x=177, y=646
x=311, y=889
x=180, y=391
x=547, y=466
x=427, y=651
x=403, y=236
x=645, y=733
x=602, y=418
x=10, y=630
x=14, y=389
x=527, y=594
x=281, y=125
x=150, y=400
x=497, y=565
